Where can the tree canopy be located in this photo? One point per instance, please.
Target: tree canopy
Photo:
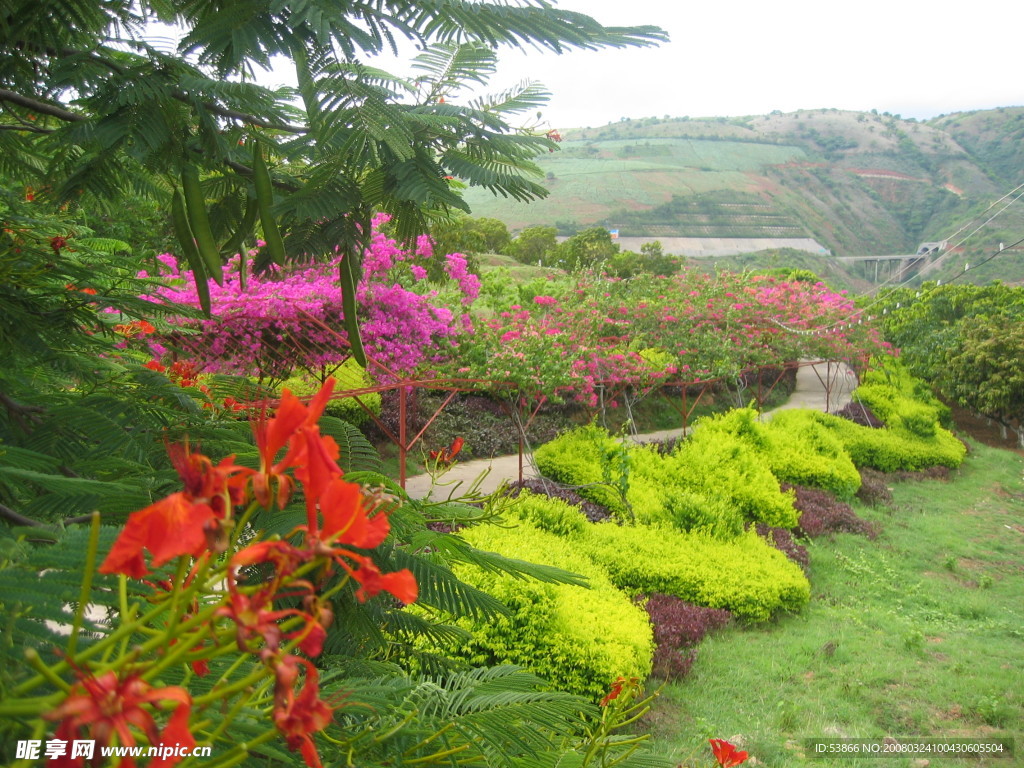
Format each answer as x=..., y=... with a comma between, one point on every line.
x=92, y=110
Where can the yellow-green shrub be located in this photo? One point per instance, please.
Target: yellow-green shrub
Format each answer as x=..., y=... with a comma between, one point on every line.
x=590, y=460
x=723, y=458
x=744, y=575
x=712, y=481
x=803, y=452
x=889, y=450
x=549, y=514
x=897, y=396
x=350, y=375
x=577, y=639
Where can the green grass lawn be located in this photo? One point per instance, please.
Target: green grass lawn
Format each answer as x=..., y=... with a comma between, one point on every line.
x=917, y=634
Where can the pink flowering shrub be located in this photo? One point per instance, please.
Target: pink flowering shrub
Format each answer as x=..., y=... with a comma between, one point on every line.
x=289, y=319
x=691, y=326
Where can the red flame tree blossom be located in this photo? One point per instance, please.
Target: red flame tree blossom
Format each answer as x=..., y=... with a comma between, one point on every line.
x=283, y=612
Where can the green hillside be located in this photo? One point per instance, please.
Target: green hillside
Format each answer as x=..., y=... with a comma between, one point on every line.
x=858, y=183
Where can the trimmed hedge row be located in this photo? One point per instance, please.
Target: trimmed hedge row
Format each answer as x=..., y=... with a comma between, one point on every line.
x=744, y=574
x=689, y=531
x=709, y=482
x=578, y=639
x=887, y=450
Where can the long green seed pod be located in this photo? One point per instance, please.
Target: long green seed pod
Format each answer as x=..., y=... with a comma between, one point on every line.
x=188, y=247
x=237, y=242
x=199, y=221
x=264, y=200
x=349, y=280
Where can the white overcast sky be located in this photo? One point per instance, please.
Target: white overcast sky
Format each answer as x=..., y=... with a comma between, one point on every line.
x=745, y=57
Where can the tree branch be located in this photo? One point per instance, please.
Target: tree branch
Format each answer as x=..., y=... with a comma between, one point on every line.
x=41, y=107
x=19, y=519
x=241, y=116
x=26, y=128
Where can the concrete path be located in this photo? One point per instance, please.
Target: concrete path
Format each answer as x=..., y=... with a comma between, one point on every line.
x=811, y=392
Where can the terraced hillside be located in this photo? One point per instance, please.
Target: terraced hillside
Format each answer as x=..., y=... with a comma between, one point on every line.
x=858, y=183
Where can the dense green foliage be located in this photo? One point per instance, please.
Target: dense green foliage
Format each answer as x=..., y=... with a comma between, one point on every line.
x=713, y=481
x=745, y=575
x=579, y=638
x=965, y=340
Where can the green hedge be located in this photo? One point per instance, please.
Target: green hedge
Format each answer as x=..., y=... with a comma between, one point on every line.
x=712, y=481
x=350, y=375
x=725, y=457
x=803, y=452
x=901, y=400
x=577, y=639
x=746, y=575
x=888, y=450
x=590, y=460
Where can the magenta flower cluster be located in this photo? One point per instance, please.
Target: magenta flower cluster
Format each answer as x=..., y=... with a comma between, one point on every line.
x=598, y=333
x=289, y=319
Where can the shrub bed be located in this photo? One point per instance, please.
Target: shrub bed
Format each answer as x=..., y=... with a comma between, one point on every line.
x=745, y=575
x=578, y=639
x=678, y=629
x=822, y=513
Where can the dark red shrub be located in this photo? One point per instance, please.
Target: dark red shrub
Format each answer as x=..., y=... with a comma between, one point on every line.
x=874, y=487
x=860, y=414
x=822, y=513
x=678, y=628
x=782, y=540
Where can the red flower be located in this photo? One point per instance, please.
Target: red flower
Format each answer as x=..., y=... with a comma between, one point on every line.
x=314, y=456
x=134, y=328
x=401, y=584
x=254, y=617
x=726, y=754
x=57, y=243
x=447, y=455
x=184, y=373
x=184, y=523
x=616, y=689
x=110, y=707
x=173, y=526
x=297, y=717
x=345, y=518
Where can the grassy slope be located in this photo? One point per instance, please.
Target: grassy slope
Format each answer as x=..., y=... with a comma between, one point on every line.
x=860, y=183
x=920, y=633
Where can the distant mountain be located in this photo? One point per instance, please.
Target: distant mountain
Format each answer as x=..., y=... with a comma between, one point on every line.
x=858, y=183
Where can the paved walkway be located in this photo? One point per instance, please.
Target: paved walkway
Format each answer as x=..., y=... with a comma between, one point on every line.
x=810, y=392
